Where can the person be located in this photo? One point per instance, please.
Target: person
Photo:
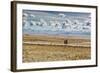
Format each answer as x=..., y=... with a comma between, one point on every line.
x=65, y=41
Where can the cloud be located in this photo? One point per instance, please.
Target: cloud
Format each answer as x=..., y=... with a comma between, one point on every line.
x=62, y=15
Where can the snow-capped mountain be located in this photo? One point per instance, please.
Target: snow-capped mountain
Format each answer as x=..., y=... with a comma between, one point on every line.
x=51, y=22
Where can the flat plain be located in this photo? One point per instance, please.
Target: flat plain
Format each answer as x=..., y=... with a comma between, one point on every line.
x=38, y=48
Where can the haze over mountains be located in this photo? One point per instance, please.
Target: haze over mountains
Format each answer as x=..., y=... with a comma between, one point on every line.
x=56, y=23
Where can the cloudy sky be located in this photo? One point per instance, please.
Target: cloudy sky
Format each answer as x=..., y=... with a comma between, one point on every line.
x=56, y=21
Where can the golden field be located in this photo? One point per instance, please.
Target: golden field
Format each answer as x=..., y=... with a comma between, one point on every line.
x=43, y=52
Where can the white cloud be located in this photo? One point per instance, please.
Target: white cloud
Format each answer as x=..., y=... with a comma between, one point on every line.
x=62, y=15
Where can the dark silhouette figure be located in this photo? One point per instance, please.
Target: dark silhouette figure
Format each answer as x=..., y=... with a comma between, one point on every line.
x=65, y=41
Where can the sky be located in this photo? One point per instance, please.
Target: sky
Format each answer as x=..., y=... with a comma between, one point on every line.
x=56, y=21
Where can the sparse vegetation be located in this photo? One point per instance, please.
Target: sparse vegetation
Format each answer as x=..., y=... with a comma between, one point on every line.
x=41, y=53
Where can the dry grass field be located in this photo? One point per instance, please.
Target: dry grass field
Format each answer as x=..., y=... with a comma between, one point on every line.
x=43, y=53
